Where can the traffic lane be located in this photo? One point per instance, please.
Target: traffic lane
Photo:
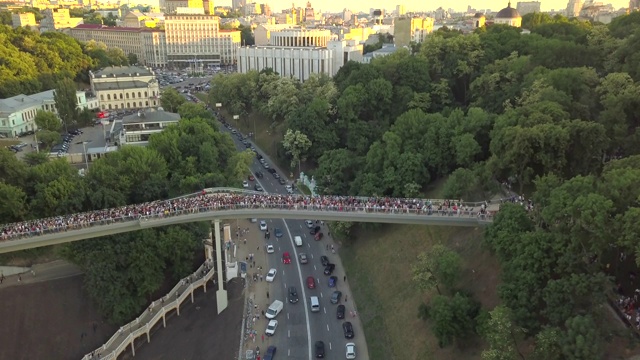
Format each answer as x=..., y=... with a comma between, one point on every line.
x=291, y=335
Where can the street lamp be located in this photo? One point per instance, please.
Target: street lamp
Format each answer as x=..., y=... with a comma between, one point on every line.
x=84, y=148
x=237, y=119
x=218, y=106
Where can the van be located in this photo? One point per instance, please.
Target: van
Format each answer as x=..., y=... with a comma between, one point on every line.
x=297, y=240
x=315, y=304
x=274, y=309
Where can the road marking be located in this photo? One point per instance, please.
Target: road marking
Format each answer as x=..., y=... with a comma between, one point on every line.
x=285, y=285
x=309, y=245
x=304, y=296
x=329, y=345
x=314, y=267
x=325, y=311
x=312, y=258
x=288, y=317
x=321, y=294
x=300, y=226
x=288, y=333
x=327, y=324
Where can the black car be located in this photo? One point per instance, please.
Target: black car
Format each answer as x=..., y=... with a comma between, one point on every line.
x=348, y=330
x=282, y=181
x=271, y=352
x=314, y=230
x=293, y=295
x=340, y=312
x=319, y=349
x=324, y=260
x=258, y=187
x=259, y=174
x=258, y=156
x=273, y=171
x=276, y=175
x=328, y=270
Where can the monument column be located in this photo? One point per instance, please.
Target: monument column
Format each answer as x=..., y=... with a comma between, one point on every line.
x=221, y=294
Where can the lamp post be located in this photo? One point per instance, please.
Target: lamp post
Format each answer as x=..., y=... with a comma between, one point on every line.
x=218, y=106
x=84, y=148
x=237, y=119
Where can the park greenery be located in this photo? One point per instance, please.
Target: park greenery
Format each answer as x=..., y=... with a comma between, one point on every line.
x=34, y=62
x=123, y=272
x=551, y=114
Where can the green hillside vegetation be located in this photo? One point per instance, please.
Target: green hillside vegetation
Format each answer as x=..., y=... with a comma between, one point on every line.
x=552, y=114
x=31, y=62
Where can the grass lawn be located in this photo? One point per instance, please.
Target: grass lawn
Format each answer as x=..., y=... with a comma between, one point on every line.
x=378, y=264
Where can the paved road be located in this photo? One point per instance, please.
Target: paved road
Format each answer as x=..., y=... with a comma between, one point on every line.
x=298, y=326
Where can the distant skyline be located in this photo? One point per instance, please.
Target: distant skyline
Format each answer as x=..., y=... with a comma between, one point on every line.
x=411, y=5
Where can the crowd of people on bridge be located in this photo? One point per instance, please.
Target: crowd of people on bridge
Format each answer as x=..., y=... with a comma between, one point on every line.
x=205, y=201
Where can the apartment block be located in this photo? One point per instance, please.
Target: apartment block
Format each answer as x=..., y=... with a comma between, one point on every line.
x=409, y=30
x=24, y=19
x=125, y=87
x=57, y=19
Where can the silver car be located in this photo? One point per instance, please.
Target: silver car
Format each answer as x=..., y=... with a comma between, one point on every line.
x=303, y=258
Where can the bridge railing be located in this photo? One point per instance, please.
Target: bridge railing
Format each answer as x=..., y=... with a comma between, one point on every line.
x=147, y=320
x=435, y=208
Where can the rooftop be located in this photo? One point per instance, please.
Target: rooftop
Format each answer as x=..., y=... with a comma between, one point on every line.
x=123, y=71
x=120, y=84
x=150, y=115
x=99, y=27
x=17, y=103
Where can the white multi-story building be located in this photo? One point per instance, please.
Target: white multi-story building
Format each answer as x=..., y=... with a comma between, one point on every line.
x=290, y=35
x=300, y=62
x=197, y=38
x=138, y=128
x=125, y=87
x=24, y=19
x=17, y=113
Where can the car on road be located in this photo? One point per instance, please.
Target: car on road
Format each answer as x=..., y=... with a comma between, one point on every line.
x=311, y=282
x=263, y=225
x=276, y=176
x=271, y=352
x=289, y=189
x=303, y=258
x=245, y=184
x=265, y=165
x=293, y=295
x=278, y=233
x=271, y=327
x=319, y=347
x=347, y=327
x=336, y=296
x=251, y=178
x=286, y=258
x=273, y=171
x=318, y=236
x=270, y=249
x=258, y=187
x=328, y=270
x=259, y=174
x=309, y=224
x=271, y=275
x=324, y=260
x=350, y=351
x=333, y=281
x=315, y=230
x=340, y=312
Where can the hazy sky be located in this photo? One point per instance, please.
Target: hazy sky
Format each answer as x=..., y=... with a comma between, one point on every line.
x=410, y=5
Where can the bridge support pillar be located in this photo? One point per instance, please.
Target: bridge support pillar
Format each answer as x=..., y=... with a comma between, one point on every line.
x=148, y=334
x=133, y=348
x=164, y=318
x=221, y=294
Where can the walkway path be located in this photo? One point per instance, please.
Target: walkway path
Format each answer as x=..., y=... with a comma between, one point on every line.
x=54, y=270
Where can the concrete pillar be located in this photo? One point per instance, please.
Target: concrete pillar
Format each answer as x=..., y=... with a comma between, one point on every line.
x=191, y=288
x=133, y=348
x=148, y=336
x=221, y=294
x=164, y=318
x=208, y=249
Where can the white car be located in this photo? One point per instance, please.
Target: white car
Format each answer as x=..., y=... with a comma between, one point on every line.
x=289, y=189
x=351, y=350
x=309, y=224
x=271, y=328
x=263, y=225
x=270, y=249
x=271, y=275
x=245, y=184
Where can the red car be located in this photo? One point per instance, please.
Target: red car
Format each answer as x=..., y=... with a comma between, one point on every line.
x=311, y=282
x=318, y=236
x=286, y=258
x=251, y=178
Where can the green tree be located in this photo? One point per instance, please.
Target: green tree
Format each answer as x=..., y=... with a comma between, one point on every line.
x=132, y=58
x=246, y=35
x=502, y=336
x=49, y=138
x=46, y=120
x=582, y=339
x=189, y=110
x=171, y=100
x=14, y=206
x=452, y=317
x=66, y=103
x=438, y=266
x=297, y=144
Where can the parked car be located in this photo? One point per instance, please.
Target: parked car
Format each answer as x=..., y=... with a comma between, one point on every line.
x=270, y=249
x=328, y=270
x=336, y=296
x=318, y=236
x=263, y=225
x=271, y=352
x=333, y=281
x=271, y=275
x=319, y=347
x=278, y=233
x=350, y=350
x=258, y=187
x=271, y=327
x=309, y=224
x=324, y=260
x=245, y=184
x=340, y=312
x=347, y=327
x=315, y=230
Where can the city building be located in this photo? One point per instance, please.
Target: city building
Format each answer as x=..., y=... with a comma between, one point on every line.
x=238, y=4
x=147, y=44
x=573, y=8
x=17, y=113
x=136, y=19
x=409, y=30
x=290, y=35
x=386, y=50
x=528, y=7
x=57, y=19
x=138, y=128
x=479, y=20
x=400, y=10
x=196, y=40
x=171, y=6
x=309, y=14
x=265, y=9
x=125, y=87
x=508, y=16
x=300, y=61
x=23, y=19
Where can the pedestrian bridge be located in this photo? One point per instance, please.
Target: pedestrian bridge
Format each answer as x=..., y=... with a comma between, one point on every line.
x=467, y=214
